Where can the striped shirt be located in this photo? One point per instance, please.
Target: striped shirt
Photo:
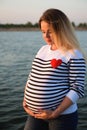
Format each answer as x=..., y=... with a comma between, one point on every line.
x=48, y=85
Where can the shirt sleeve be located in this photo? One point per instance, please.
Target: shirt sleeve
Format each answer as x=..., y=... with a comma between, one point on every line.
x=77, y=71
x=73, y=96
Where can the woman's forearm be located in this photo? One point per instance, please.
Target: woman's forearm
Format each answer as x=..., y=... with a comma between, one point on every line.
x=66, y=103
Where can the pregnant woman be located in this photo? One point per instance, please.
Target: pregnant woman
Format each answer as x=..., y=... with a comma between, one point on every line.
x=56, y=80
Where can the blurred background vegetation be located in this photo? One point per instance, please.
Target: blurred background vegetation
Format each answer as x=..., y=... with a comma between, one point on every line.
x=80, y=26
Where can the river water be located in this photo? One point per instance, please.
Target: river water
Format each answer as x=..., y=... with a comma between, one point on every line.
x=17, y=50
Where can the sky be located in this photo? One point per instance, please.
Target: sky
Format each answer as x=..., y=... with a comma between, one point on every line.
x=23, y=11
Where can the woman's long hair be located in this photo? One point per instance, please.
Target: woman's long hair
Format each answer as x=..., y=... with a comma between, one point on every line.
x=63, y=30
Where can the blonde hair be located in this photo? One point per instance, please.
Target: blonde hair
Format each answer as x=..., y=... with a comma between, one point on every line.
x=63, y=30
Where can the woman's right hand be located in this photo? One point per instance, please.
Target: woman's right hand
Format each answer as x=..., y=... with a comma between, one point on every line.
x=27, y=109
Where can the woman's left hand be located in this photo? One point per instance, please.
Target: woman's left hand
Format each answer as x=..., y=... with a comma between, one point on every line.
x=43, y=114
x=46, y=114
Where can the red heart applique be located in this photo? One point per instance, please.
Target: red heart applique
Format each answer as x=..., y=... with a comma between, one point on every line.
x=56, y=63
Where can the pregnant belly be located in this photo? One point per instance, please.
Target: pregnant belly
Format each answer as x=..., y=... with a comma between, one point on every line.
x=42, y=100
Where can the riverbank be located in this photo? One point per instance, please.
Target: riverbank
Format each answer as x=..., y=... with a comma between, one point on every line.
x=19, y=29
x=32, y=29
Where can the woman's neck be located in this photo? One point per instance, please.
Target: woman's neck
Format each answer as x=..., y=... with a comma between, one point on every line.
x=53, y=47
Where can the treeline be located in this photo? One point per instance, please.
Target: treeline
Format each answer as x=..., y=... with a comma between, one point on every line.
x=27, y=25
x=31, y=25
x=80, y=25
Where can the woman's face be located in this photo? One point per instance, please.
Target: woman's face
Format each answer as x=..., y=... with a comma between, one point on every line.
x=47, y=32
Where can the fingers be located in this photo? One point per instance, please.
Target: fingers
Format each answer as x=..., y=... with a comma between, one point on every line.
x=44, y=114
x=27, y=109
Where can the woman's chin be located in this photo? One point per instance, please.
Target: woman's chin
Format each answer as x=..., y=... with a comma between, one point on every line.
x=48, y=43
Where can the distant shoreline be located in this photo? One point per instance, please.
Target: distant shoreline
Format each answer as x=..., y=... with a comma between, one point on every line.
x=32, y=29
x=19, y=29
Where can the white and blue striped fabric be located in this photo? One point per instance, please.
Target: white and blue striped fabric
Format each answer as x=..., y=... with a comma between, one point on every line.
x=47, y=86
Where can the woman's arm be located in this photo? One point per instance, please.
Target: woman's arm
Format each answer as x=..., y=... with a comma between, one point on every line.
x=46, y=114
x=66, y=103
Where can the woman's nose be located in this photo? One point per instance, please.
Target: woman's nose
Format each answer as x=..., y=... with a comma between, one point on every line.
x=47, y=34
